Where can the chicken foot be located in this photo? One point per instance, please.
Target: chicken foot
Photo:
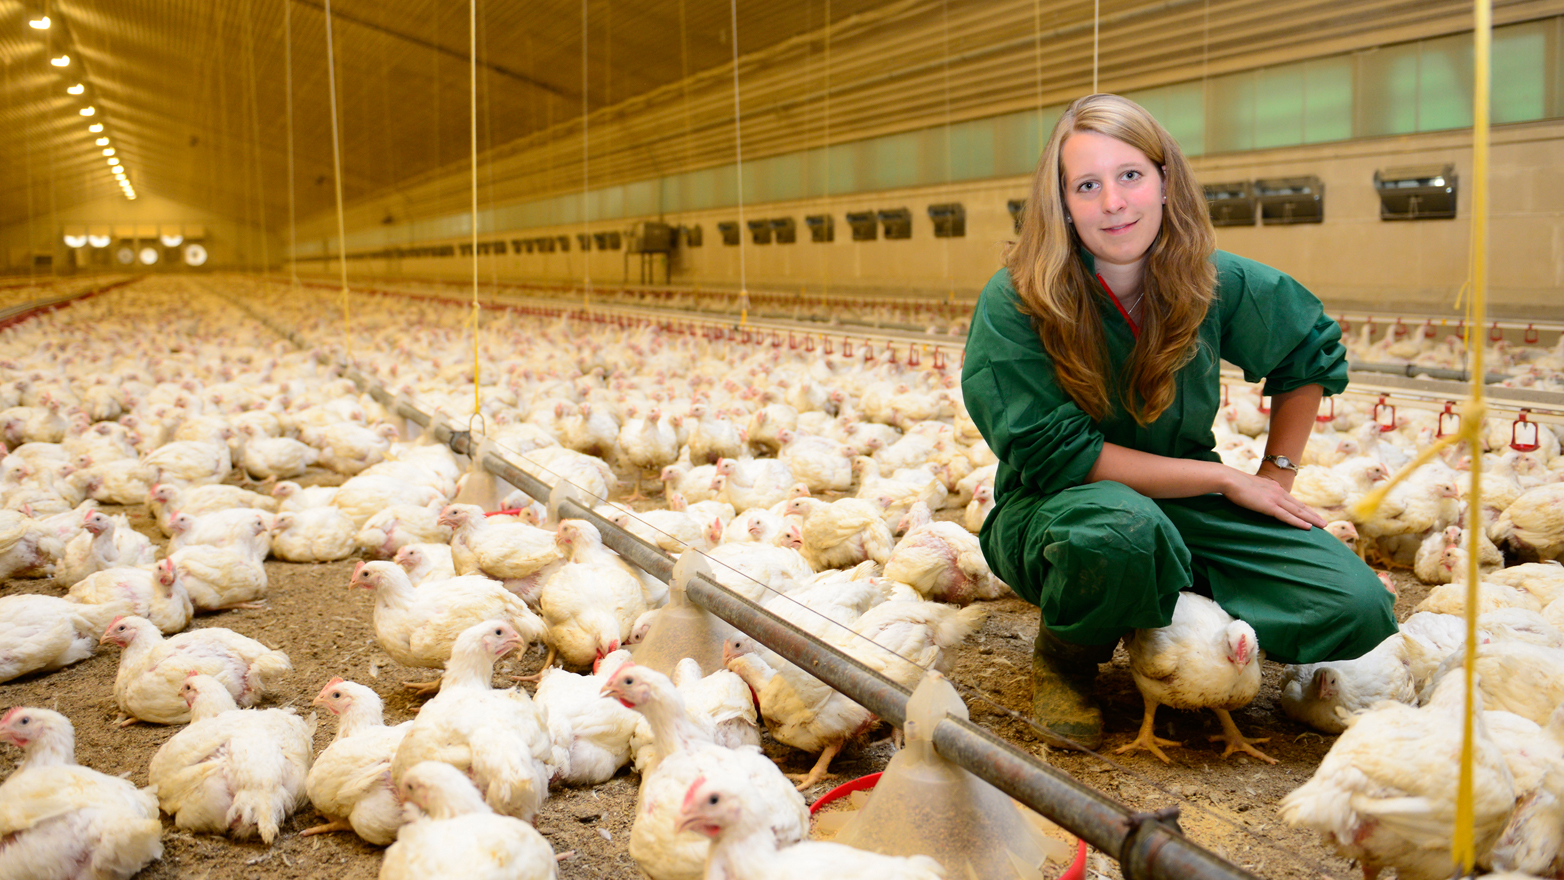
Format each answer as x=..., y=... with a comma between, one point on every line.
x=1236, y=741
x=819, y=771
x=538, y=676
x=1146, y=739
x=423, y=688
x=329, y=827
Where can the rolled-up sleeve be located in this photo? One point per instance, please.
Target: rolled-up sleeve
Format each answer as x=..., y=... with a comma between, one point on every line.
x=1009, y=389
x=1274, y=329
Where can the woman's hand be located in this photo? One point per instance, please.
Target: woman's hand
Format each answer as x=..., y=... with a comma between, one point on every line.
x=1267, y=496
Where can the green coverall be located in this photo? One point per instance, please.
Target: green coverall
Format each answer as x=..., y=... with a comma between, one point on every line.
x=1100, y=559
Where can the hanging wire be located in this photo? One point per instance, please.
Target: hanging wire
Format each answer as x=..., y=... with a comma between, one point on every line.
x=1096, y=21
x=336, y=165
x=944, y=18
x=255, y=137
x=1037, y=65
x=293, y=225
x=586, y=169
x=738, y=168
x=472, y=81
x=1464, y=846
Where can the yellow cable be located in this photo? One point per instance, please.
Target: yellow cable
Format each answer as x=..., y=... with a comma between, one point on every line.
x=336, y=165
x=472, y=36
x=1463, y=847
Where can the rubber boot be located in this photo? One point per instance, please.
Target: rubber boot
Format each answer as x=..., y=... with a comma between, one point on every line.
x=1062, y=679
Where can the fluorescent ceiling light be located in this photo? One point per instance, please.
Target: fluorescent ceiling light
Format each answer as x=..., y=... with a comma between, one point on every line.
x=103, y=142
x=76, y=89
x=95, y=127
x=98, y=240
x=87, y=111
x=40, y=23
x=172, y=240
x=75, y=241
x=113, y=161
x=62, y=61
x=108, y=151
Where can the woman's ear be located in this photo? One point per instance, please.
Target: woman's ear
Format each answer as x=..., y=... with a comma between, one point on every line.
x=1164, y=184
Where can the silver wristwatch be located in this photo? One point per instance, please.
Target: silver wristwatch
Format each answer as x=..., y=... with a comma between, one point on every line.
x=1282, y=462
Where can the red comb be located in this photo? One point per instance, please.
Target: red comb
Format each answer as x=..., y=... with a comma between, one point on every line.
x=6, y=719
x=334, y=681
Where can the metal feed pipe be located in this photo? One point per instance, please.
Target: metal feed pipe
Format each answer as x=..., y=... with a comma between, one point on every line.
x=1148, y=846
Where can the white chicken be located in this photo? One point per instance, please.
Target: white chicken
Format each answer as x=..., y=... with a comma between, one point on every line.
x=1395, y=807
x=1324, y=695
x=153, y=669
x=942, y=561
x=1533, y=526
x=1515, y=676
x=232, y=771
x=60, y=820
x=365, y=495
x=41, y=633
x=242, y=529
x=720, y=700
x=1532, y=842
x=731, y=812
x=324, y=534
x=103, y=544
x=417, y=626
x=591, y=735
x=1204, y=659
x=426, y=562
x=192, y=462
x=499, y=738
x=156, y=593
x=751, y=483
x=510, y=552
x=26, y=549
x=685, y=753
x=591, y=602
x=823, y=464
x=166, y=499
x=270, y=458
x=800, y=710
x=219, y=578
x=842, y=533
x=456, y=836
x=395, y=527
x=350, y=781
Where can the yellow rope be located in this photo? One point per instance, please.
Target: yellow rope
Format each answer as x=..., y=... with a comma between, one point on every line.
x=472, y=36
x=1463, y=846
x=1474, y=412
x=336, y=165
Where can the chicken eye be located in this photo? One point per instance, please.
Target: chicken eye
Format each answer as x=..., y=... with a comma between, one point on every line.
x=336, y=695
x=24, y=721
x=714, y=800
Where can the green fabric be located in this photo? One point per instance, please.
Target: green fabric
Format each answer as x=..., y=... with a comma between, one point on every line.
x=1101, y=559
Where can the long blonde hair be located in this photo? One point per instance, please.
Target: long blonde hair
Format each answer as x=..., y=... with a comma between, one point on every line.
x=1061, y=297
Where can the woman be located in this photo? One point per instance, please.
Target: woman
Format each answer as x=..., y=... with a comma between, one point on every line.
x=1092, y=371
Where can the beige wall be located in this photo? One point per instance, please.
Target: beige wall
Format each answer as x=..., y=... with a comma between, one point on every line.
x=230, y=244
x=1352, y=260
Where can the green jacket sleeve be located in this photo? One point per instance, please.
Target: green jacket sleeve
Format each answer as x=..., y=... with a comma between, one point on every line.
x=1274, y=328
x=1008, y=385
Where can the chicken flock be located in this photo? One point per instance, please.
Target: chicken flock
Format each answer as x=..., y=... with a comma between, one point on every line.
x=841, y=494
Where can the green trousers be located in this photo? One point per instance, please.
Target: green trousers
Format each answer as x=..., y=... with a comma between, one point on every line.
x=1101, y=559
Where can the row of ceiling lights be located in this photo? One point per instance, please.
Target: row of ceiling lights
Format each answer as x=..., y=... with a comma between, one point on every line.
x=116, y=167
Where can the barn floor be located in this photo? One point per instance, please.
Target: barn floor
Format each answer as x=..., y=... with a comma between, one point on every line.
x=1228, y=806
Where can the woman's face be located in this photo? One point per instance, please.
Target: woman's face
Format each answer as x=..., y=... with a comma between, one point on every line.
x=1113, y=194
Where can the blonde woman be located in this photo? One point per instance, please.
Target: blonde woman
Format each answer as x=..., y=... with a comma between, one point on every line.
x=1092, y=371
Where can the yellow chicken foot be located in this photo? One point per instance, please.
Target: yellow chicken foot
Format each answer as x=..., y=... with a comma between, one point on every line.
x=817, y=772
x=1147, y=740
x=423, y=688
x=333, y=825
x=1236, y=741
x=538, y=676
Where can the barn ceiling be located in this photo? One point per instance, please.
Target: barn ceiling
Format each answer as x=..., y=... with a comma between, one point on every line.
x=194, y=94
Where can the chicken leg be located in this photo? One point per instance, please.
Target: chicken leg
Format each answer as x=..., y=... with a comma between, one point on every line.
x=1236, y=741
x=329, y=827
x=538, y=676
x=1147, y=740
x=819, y=771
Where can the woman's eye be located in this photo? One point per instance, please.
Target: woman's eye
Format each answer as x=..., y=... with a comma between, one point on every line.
x=1132, y=175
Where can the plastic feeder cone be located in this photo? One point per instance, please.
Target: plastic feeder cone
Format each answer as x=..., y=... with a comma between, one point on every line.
x=926, y=805
x=681, y=629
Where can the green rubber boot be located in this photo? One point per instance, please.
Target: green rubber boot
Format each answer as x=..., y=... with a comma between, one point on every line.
x=1062, y=679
